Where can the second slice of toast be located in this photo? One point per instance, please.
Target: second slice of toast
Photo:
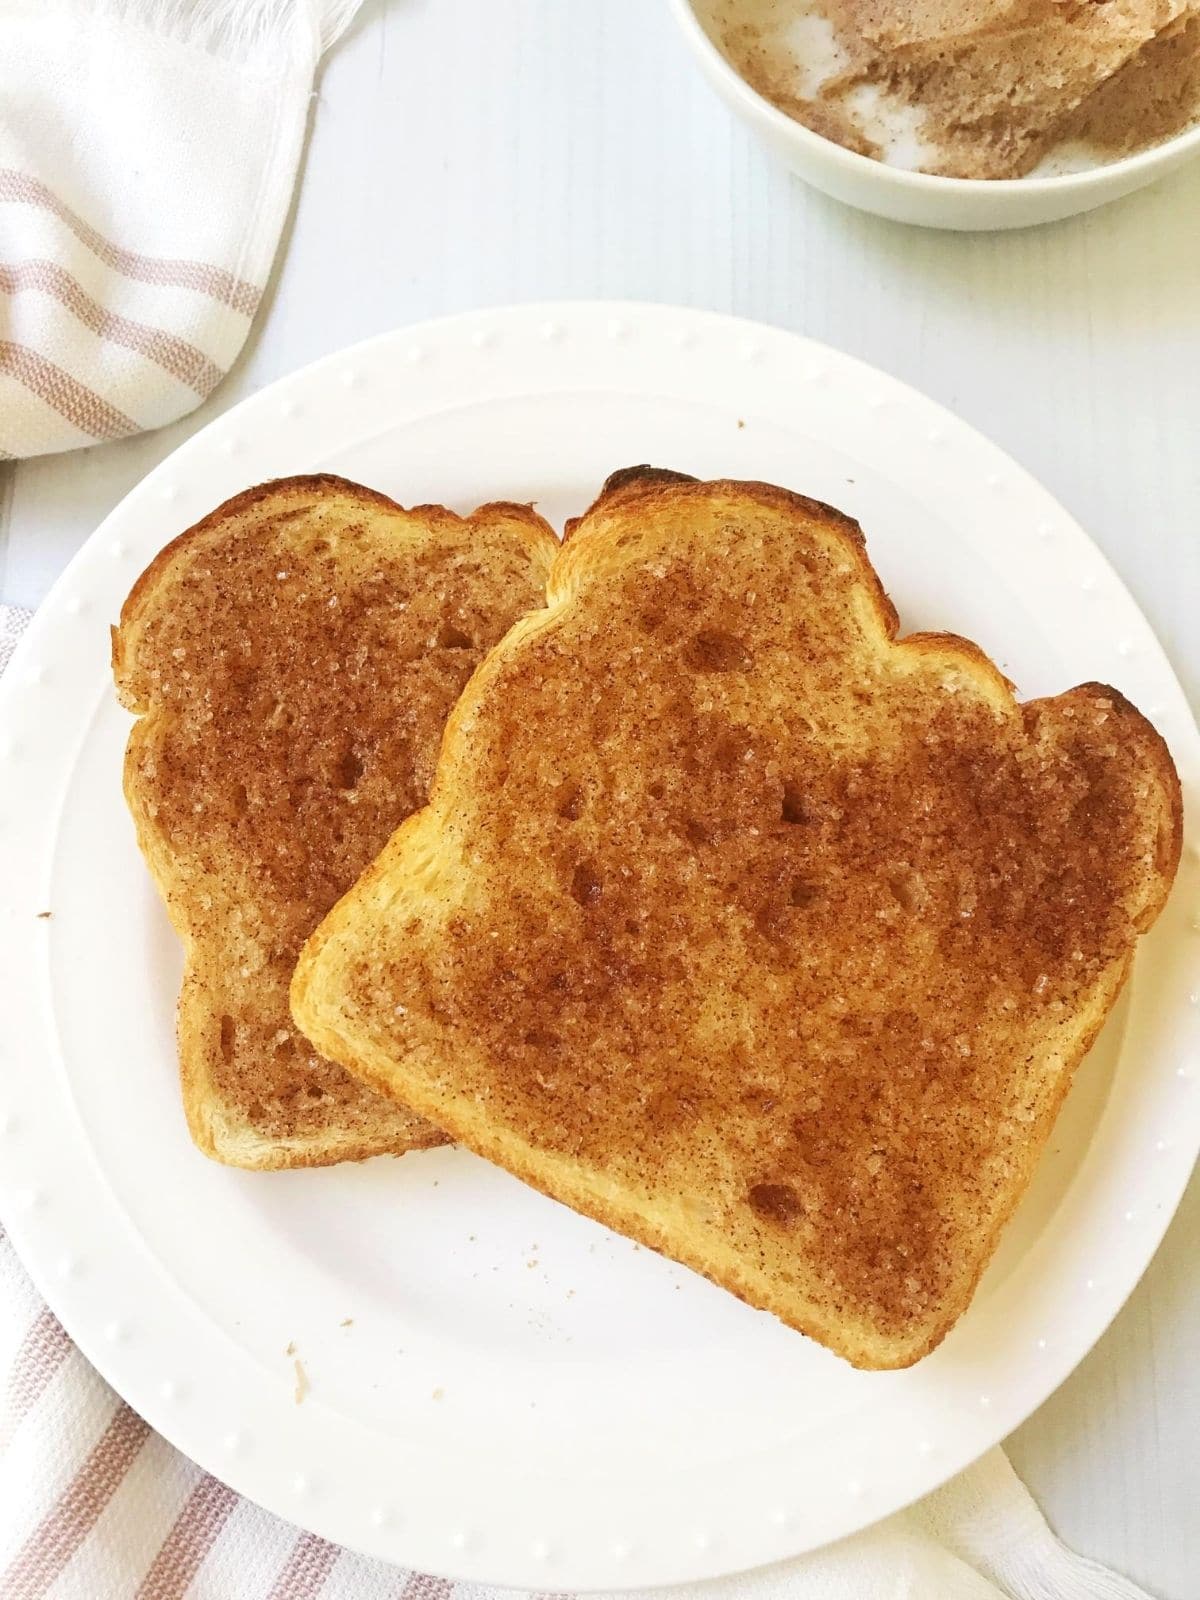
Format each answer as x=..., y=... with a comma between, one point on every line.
x=292, y=660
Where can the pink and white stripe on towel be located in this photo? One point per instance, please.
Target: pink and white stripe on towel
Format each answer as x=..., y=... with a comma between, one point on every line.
x=148, y=152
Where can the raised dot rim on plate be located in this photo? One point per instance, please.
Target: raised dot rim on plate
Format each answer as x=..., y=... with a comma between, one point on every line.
x=617, y=328
x=300, y=1484
x=549, y=331
x=482, y=339
x=74, y=606
x=168, y=1389
x=117, y=549
x=289, y=409
x=231, y=446
x=116, y=1332
x=351, y=378
x=414, y=354
x=233, y=1443
x=380, y=1516
x=749, y=351
x=539, y=1550
x=169, y=492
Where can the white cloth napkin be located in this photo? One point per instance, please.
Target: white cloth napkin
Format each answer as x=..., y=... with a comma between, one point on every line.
x=95, y=1506
x=148, y=151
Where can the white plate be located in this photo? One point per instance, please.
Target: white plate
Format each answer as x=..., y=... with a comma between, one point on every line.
x=522, y=1397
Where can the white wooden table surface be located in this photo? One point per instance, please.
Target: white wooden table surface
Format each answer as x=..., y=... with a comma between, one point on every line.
x=468, y=154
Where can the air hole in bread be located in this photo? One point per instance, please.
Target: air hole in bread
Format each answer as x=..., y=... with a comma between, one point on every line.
x=650, y=621
x=656, y=791
x=586, y=887
x=908, y=889
x=451, y=638
x=537, y=1039
x=804, y=891
x=240, y=798
x=228, y=1036
x=712, y=650
x=697, y=833
x=349, y=768
x=793, y=808
x=775, y=1202
x=568, y=801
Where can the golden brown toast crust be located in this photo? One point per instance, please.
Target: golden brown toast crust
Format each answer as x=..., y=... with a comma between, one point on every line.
x=292, y=659
x=747, y=928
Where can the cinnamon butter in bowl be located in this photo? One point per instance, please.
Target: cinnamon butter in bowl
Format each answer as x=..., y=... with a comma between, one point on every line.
x=961, y=113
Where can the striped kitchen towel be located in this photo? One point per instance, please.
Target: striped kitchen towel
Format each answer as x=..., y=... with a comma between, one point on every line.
x=148, y=150
x=94, y=1505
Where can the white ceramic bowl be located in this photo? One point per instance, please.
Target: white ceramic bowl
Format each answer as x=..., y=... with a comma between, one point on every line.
x=965, y=203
